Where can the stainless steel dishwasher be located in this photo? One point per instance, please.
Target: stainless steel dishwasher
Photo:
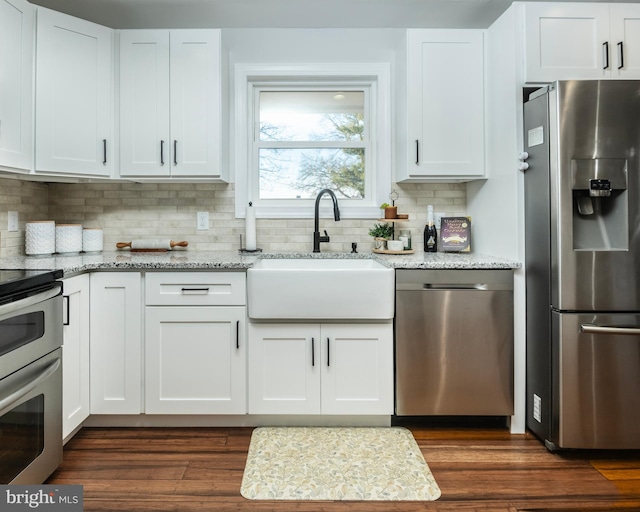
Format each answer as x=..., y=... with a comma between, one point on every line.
x=454, y=342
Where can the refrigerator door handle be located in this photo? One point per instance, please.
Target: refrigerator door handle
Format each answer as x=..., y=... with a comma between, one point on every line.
x=603, y=329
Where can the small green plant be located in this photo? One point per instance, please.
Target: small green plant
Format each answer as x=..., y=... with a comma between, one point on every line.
x=381, y=231
x=384, y=205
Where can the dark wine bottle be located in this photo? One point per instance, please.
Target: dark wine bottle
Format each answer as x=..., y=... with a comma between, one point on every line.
x=430, y=233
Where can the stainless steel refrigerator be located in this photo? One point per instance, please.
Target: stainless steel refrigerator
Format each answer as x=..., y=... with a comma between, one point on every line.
x=582, y=216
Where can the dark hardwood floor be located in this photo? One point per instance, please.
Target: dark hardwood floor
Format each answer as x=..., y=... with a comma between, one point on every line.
x=477, y=469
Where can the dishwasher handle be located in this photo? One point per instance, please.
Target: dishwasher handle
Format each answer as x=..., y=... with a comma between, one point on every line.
x=457, y=286
x=481, y=287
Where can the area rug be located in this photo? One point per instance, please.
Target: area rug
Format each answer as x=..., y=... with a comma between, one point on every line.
x=313, y=463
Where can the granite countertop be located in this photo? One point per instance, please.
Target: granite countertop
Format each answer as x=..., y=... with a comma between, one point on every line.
x=233, y=260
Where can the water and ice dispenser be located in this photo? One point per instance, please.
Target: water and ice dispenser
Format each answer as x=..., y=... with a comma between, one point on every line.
x=600, y=212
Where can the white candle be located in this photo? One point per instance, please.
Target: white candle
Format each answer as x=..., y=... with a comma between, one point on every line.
x=250, y=228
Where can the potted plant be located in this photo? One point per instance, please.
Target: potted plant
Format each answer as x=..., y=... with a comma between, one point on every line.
x=390, y=212
x=381, y=233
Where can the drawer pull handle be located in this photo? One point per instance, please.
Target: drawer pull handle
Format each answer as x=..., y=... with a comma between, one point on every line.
x=605, y=329
x=195, y=291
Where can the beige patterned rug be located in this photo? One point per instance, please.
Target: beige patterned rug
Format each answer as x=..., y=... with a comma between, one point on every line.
x=314, y=463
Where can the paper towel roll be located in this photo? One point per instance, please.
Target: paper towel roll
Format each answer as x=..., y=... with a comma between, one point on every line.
x=250, y=228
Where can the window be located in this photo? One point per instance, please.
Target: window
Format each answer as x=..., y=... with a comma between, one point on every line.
x=306, y=133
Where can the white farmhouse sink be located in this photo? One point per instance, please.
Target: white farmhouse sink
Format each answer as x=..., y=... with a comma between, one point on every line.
x=320, y=289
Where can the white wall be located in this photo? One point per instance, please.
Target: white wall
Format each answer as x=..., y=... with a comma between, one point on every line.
x=497, y=205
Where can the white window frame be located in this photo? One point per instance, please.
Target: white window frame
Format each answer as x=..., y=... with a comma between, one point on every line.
x=375, y=77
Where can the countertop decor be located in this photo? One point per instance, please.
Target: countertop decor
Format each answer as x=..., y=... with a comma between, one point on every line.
x=232, y=260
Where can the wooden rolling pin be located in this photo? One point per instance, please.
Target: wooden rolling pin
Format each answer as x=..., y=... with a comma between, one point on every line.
x=151, y=245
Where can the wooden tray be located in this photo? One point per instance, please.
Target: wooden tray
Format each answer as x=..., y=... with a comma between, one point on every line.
x=387, y=251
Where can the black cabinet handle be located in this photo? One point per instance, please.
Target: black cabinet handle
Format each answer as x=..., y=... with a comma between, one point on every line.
x=417, y=152
x=175, y=152
x=620, y=55
x=313, y=351
x=194, y=291
x=238, y=335
x=328, y=353
x=104, y=151
x=66, y=313
x=161, y=152
x=605, y=55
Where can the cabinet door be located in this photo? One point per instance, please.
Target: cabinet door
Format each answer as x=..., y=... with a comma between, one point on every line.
x=446, y=103
x=75, y=353
x=116, y=343
x=284, y=369
x=144, y=103
x=195, y=360
x=16, y=84
x=567, y=41
x=357, y=369
x=625, y=40
x=195, y=103
x=73, y=96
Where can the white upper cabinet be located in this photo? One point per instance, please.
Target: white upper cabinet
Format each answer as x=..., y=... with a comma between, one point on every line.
x=74, y=103
x=16, y=84
x=625, y=40
x=444, y=136
x=573, y=41
x=170, y=103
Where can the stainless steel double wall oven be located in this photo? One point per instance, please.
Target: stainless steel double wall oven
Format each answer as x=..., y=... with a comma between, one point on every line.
x=30, y=375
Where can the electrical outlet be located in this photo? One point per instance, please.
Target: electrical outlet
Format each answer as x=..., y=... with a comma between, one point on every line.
x=12, y=224
x=202, y=221
x=438, y=218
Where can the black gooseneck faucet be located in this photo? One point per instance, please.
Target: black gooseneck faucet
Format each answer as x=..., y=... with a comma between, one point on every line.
x=317, y=238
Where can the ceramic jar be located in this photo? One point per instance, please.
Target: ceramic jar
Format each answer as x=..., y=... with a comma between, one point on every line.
x=68, y=238
x=92, y=239
x=40, y=237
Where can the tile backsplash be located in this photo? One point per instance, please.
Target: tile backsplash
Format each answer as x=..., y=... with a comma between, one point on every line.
x=128, y=211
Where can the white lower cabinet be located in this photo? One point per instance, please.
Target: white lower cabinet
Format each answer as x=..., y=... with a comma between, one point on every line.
x=195, y=343
x=195, y=360
x=75, y=353
x=116, y=343
x=321, y=368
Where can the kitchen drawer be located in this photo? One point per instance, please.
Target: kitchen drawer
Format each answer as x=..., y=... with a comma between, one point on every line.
x=195, y=289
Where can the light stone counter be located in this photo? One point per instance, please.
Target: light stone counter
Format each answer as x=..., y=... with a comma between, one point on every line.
x=232, y=260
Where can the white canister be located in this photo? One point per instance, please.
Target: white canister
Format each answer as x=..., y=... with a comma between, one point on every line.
x=68, y=238
x=40, y=237
x=92, y=239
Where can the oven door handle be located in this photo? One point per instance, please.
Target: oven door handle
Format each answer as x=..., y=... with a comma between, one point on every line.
x=9, y=400
x=12, y=307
